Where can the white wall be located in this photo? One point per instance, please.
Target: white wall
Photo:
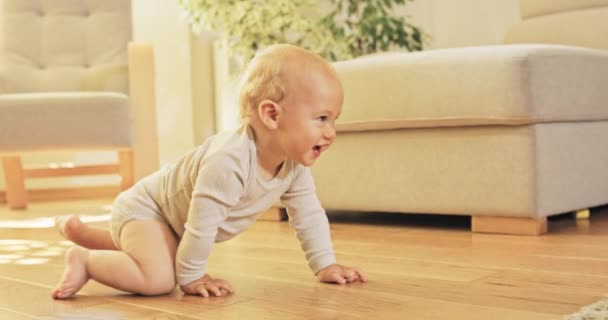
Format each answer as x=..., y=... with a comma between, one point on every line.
x=184, y=74
x=158, y=22
x=460, y=23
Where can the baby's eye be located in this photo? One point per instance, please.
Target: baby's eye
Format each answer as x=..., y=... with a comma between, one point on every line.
x=322, y=118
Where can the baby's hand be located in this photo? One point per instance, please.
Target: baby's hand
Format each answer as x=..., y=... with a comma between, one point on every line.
x=340, y=274
x=206, y=286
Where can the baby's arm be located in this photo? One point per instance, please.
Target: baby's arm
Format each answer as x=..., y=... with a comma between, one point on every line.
x=308, y=218
x=218, y=187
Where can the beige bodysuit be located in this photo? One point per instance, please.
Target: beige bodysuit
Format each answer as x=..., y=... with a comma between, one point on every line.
x=214, y=192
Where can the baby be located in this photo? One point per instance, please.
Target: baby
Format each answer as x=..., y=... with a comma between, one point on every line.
x=163, y=229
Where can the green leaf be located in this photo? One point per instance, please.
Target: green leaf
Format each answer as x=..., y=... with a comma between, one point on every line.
x=348, y=28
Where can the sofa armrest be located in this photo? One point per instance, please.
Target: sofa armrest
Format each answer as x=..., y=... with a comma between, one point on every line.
x=143, y=107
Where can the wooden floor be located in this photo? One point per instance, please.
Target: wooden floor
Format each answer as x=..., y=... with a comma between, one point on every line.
x=427, y=267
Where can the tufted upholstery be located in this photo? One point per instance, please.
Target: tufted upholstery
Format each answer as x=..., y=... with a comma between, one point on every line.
x=51, y=53
x=64, y=45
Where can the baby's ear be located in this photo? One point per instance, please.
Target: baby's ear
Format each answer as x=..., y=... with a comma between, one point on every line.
x=268, y=111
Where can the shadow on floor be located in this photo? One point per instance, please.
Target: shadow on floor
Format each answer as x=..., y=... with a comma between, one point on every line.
x=400, y=219
x=431, y=220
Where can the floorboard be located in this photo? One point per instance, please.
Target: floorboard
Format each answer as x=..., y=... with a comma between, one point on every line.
x=420, y=267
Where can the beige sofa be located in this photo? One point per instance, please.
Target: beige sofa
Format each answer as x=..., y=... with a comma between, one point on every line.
x=507, y=134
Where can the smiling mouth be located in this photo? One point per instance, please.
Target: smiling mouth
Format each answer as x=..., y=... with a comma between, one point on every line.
x=318, y=149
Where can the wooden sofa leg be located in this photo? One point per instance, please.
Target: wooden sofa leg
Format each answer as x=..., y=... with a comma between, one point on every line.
x=509, y=225
x=16, y=197
x=582, y=214
x=125, y=164
x=273, y=214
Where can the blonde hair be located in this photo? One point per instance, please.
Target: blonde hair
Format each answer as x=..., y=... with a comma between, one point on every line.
x=264, y=78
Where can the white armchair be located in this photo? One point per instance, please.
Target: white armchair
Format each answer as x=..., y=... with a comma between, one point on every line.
x=71, y=80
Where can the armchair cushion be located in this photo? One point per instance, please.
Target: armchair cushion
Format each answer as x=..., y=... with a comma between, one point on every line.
x=64, y=120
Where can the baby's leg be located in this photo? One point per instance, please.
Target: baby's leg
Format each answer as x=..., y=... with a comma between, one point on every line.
x=145, y=266
x=84, y=235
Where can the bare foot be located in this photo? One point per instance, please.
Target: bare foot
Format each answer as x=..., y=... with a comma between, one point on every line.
x=75, y=274
x=68, y=226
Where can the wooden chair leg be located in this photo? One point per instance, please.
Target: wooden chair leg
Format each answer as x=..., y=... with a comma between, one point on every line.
x=16, y=197
x=125, y=163
x=509, y=225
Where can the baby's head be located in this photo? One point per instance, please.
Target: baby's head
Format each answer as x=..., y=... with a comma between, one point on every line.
x=290, y=92
x=273, y=73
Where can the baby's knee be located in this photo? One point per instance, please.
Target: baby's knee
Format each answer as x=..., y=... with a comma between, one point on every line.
x=155, y=286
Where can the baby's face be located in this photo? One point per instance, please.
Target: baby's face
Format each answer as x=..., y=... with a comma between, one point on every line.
x=307, y=127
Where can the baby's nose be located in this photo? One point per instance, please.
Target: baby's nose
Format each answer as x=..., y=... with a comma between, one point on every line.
x=330, y=133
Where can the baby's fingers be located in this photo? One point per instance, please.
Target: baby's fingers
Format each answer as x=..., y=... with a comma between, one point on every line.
x=349, y=275
x=212, y=288
x=360, y=274
x=335, y=277
x=223, y=284
x=202, y=291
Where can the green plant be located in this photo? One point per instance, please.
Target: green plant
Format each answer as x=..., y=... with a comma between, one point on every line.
x=352, y=27
x=369, y=26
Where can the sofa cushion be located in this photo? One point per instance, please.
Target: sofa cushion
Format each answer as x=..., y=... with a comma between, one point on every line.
x=101, y=120
x=534, y=8
x=492, y=85
x=583, y=28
